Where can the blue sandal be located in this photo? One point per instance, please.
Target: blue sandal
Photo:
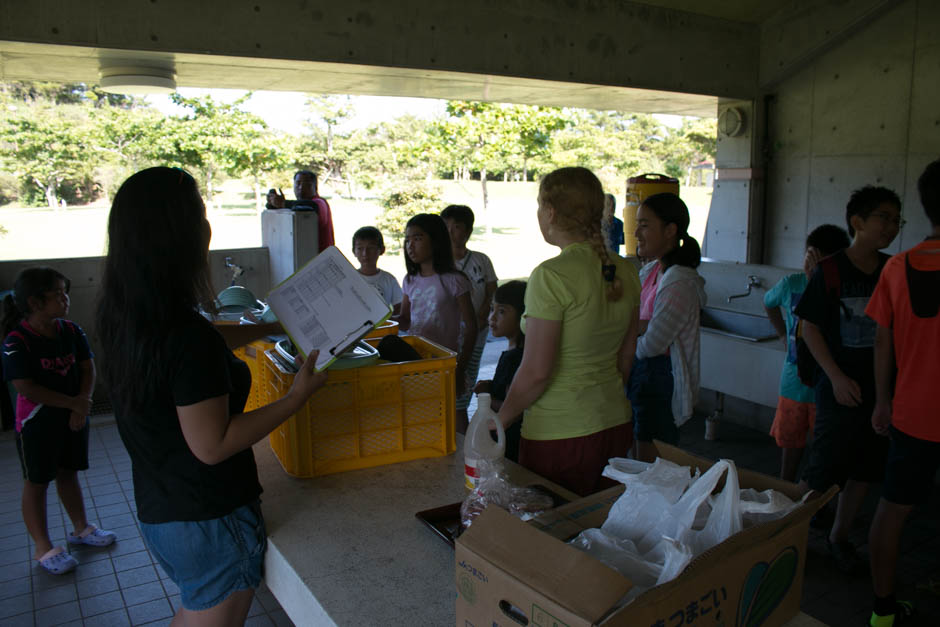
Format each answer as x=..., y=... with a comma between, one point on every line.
x=57, y=561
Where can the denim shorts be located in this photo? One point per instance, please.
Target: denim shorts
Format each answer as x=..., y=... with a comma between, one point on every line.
x=210, y=559
x=650, y=394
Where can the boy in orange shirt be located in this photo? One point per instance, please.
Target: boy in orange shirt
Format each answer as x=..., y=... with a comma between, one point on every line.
x=906, y=306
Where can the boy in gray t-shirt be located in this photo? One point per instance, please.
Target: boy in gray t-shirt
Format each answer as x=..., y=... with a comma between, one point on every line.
x=368, y=246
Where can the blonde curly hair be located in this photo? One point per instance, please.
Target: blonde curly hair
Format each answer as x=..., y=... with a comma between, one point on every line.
x=577, y=197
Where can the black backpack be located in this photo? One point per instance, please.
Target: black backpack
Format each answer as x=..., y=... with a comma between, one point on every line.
x=806, y=367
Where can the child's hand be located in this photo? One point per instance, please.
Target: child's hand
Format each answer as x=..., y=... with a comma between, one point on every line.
x=881, y=418
x=482, y=386
x=76, y=421
x=307, y=380
x=846, y=391
x=81, y=405
x=810, y=259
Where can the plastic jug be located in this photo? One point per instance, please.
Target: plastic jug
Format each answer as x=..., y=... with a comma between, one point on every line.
x=478, y=444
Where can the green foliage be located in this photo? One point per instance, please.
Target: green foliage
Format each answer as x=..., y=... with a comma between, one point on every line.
x=693, y=142
x=46, y=145
x=9, y=188
x=74, y=141
x=401, y=201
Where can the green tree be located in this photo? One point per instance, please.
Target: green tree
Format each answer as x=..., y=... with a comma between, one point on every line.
x=128, y=139
x=47, y=146
x=401, y=201
x=476, y=136
x=260, y=153
x=216, y=138
x=326, y=113
x=534, y=128
x=694, y=141
x=612, y=144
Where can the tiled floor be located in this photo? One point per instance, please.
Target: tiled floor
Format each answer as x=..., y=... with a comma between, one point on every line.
x=116, y=585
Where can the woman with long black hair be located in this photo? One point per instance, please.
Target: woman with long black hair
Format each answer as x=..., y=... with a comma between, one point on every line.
x=179, y=393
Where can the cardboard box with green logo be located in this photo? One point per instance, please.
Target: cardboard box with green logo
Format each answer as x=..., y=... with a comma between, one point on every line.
x=513, y=573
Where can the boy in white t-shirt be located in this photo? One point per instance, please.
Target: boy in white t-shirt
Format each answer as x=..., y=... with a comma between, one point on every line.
x=368, y=245
x=479, y=269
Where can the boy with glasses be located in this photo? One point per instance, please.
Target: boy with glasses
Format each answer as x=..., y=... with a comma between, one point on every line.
x=845, y=449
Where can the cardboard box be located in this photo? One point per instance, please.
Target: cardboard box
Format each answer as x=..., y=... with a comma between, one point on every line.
x=509, y=572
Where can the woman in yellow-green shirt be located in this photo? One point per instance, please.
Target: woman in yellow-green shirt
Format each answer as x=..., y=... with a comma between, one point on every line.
x=581, y=311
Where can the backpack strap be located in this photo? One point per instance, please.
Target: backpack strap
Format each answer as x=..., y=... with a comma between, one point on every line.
x=830, y=270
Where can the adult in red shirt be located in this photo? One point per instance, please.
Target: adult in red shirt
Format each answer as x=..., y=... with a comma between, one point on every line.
x=906, y=306
x=305, y=190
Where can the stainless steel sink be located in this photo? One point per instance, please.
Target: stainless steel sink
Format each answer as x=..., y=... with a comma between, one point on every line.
x=741, y=326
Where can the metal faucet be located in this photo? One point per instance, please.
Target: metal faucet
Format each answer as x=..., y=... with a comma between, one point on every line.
x=236, y=269
x=752, y=281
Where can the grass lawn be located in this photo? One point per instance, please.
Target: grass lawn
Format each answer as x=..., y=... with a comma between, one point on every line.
x=513, y=242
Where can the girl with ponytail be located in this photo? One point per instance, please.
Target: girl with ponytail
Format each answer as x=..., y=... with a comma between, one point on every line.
x=580, y=322
x=664, y=381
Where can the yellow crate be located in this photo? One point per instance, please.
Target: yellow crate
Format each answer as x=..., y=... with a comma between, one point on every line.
x=370, y=416
x=389, y=327
x=253, y=355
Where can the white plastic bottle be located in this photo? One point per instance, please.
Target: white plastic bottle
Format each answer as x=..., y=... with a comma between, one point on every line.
x=478, y=445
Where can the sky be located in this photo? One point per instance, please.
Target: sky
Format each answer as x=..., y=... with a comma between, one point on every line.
x=284, y=110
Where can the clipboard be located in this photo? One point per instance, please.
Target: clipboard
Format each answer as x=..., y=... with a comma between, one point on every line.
x=327, y=306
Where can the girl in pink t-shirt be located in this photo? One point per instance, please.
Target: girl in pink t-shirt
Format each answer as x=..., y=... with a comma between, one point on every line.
x=436, y=297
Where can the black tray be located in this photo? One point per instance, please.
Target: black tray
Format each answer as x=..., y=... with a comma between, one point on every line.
x=445, y=520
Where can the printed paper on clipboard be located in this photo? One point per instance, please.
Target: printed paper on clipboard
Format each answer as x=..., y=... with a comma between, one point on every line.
x=327, y=306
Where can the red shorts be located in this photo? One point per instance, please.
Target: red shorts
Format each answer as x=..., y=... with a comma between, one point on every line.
x=792, y=422
x=577, y=463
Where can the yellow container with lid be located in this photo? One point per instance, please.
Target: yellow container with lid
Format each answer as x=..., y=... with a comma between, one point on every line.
x=638, y=189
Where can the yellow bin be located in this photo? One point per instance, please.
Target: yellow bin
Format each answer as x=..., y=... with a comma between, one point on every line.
x=639, y=188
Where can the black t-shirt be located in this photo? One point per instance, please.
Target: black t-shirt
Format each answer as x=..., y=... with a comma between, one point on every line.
x=505, y=370
x=170, y=483
x=849, y=333
x=52, y=363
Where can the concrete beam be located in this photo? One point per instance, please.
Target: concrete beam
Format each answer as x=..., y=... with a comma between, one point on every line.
x=806, y=29
x=593, y=42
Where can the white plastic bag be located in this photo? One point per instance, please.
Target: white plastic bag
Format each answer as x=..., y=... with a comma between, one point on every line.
x=760, y=507
x=647, y=498
x=619, y=554
x=677, y=520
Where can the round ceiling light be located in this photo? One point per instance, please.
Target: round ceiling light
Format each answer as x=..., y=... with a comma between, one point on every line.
x=135, y=80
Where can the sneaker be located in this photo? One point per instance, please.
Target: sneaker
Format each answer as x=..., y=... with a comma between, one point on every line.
x=845, y=556
x=57, y=561
x=903, y=611
x=93, y=536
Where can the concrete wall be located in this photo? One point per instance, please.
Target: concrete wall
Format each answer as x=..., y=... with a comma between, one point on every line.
x=865, y=112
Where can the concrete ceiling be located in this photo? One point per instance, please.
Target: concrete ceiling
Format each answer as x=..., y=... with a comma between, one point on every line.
x=29, y=61
x=751, y=11
x=21, y=60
